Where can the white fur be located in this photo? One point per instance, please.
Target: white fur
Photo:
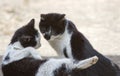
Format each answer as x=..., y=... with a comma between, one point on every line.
x=17, y=52
x=62, y=41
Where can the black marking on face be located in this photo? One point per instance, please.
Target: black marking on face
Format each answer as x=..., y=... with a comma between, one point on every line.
x=26, y=35
x=53, y=22
x=7, y=57
x=65, y=52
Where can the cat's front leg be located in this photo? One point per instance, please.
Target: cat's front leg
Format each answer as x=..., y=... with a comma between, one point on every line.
x=33, y=53
x=15, y=55
x=83, y=64
x=27, y=52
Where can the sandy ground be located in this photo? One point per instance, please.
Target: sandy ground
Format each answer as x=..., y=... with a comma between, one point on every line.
x=98, y=20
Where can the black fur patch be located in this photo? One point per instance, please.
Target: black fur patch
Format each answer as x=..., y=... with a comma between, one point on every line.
x=71, y=27
x=24, y=67
x=65, y=52
x=62, y=71
x=7, y=57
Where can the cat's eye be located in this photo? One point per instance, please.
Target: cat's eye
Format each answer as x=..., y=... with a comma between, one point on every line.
x=26, y=38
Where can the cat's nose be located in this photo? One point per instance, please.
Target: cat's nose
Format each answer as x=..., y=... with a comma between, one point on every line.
x=47, y=37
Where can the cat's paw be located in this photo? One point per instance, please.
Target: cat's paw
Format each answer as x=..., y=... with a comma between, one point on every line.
x=94, y=60
x=33, y=53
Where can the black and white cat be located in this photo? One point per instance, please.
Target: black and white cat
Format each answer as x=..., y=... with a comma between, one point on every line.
x=64, y=37
x=21, y=58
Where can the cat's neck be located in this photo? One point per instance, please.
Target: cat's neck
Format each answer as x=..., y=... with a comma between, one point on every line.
x=66, y=35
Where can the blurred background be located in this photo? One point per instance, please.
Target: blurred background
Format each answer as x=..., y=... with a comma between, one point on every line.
x=98, y=20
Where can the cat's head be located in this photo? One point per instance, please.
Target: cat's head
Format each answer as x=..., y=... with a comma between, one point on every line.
x=51, y=25
x=27, y=36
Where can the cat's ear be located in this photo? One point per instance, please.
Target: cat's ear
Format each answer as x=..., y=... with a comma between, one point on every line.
x=42, y=17
x=31, y=23
x=62, y=16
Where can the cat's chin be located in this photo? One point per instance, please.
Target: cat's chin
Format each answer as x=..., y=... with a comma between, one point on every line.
x=53, y=38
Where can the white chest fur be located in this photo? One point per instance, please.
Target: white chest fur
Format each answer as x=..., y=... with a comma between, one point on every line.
x=61, y=42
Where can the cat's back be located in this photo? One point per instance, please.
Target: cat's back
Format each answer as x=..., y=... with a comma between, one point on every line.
x=81, y=49
x=24, y=67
